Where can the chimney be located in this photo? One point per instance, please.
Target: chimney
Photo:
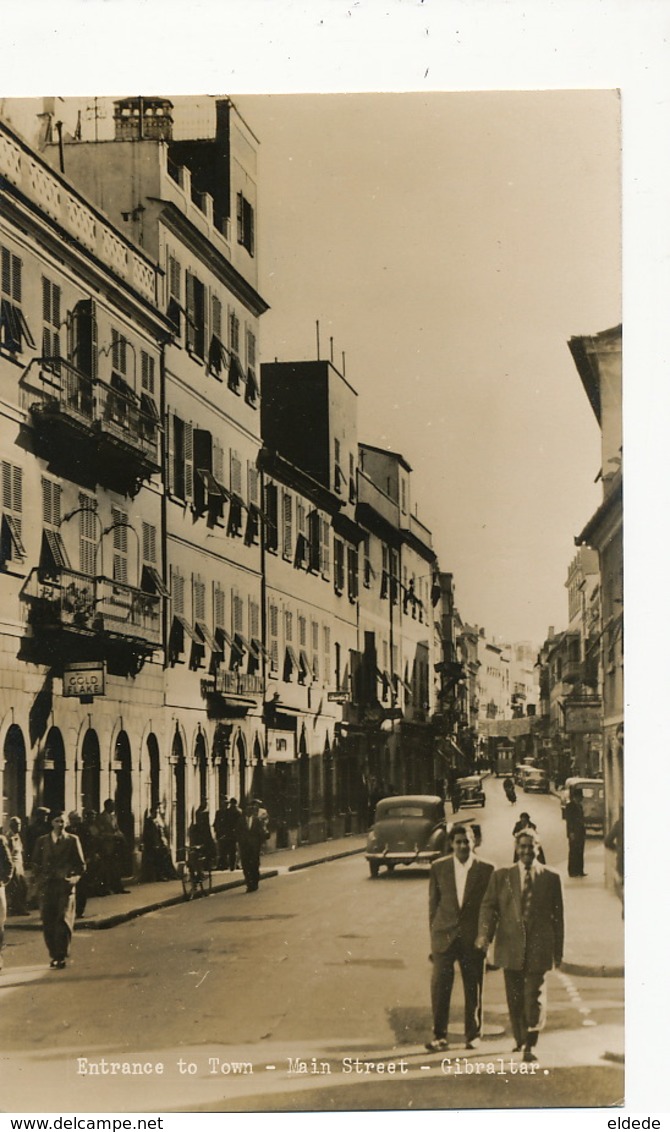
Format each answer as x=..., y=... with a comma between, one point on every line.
x=137, y=119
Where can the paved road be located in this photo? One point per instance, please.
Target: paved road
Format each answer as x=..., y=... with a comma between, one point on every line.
x=247, y=989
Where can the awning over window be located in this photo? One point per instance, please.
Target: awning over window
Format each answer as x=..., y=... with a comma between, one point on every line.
x=188, y=629
x=291, y=654
x=305, y=665
x=259, y=650
x=150, y=407
x=15, y=535
x=206, y=635
x=213, y=486
x=57, y=550
x=150, y=574
x=224, y=635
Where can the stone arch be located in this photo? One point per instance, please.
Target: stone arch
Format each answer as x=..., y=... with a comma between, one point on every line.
x=49, y=771
x=89, y=789
x=14, y=774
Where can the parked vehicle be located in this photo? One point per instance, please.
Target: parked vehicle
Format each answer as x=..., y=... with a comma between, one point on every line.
x=470, y=791
x=536, y=780
x=408, y=829
x=593, y=800
x=520, y=772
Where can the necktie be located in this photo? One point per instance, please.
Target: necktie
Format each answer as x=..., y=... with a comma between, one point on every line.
x=526, y=896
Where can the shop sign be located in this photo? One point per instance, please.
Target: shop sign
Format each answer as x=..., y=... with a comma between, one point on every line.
x=281, y=746
x=84, y=679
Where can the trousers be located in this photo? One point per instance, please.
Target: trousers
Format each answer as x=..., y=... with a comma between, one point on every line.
x=471, y=962
x=526, y=1003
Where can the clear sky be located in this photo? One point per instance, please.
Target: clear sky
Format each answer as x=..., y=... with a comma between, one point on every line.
x=451, y=244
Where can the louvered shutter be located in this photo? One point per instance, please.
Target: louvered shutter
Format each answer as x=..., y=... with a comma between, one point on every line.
x=188, y=461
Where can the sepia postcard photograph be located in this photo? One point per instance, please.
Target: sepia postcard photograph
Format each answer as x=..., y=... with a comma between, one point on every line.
x=312, y=592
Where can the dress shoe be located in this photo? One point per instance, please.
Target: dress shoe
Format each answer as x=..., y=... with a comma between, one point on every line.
x=437, y=1045
x=516, y=1049
x=474, y=1043
x=528, y=1055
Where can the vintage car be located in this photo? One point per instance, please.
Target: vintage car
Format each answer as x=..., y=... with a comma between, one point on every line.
x=470, y=791
x=536, y=780
x=408, y=829
x=593, y=800
x=520, y=772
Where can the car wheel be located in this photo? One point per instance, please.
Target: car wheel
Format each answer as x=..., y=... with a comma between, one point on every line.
x=483, y=802
x=374, y=868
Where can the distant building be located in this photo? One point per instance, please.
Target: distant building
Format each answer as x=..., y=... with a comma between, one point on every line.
x=598, y=361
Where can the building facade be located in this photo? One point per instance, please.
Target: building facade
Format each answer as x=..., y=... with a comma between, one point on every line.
x=208, y=586
x=598, y=360
x=81, y=582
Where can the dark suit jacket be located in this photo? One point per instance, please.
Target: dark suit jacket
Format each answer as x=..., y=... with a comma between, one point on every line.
x=539, y=946
x=58, y=861
x=250, y=838
x=447, y=920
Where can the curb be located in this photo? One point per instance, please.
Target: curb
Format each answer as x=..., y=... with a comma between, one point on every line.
x=114, y=919
x=593, y=970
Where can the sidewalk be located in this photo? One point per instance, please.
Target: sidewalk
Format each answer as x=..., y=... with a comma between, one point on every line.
x=594, y=926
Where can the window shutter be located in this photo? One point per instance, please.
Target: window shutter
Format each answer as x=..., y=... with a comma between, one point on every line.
x=17, y=485
x=217, y=462
x=6, y=485
x=177, y=593
x=219, y=607
x=235, y=473
x=216, y=316
x=240, y=218
x=188, y=460
x=149, y=542
x=190, y=310
x=16, y=279
x=287, y=516
x=169, y=448
x=6, y=273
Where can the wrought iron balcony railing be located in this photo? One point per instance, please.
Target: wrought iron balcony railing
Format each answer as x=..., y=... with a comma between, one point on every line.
x=77, y=602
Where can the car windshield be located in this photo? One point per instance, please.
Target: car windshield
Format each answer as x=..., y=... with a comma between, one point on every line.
x=405, y=811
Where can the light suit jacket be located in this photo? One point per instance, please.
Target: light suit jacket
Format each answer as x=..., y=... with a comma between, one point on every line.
x=537, y=947
x=447, y=920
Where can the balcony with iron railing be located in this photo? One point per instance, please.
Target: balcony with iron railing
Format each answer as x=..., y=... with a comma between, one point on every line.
x=230, y=682
x=75, y=603
x=113, y=429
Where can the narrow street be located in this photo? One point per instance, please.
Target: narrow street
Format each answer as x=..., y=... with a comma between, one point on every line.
x=247, y=989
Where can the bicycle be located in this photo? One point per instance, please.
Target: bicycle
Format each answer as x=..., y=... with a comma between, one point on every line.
x=195, y=872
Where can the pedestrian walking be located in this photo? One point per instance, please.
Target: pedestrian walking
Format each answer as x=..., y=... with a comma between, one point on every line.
x=250, y=838
x=455, y=892
x=523, y=909
x=614, y=842
x=75, y=825
x=6, y=869
x=112, y=847
x=157, y=863
x=59, y=863
x=226, y=831
x=510, y=792
x=575, y=827
x=524, y=822
x=17, y=887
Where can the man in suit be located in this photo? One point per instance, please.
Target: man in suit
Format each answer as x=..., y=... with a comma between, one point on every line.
x=58, y=863
x=456, y=889
x=575, y=827
x=250, y=837
x=523, y=909
x=6, y=871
